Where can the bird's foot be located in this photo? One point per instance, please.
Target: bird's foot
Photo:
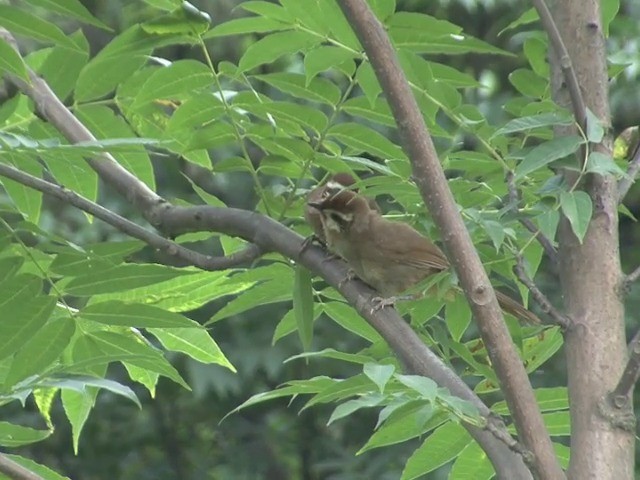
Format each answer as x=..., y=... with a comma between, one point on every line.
x=381, y=302
x=311, y=239
x=350, y=276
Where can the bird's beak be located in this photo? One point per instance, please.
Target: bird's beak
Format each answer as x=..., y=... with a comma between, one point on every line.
x=316, y=205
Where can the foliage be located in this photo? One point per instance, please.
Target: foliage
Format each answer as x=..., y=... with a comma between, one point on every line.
x=70, y=309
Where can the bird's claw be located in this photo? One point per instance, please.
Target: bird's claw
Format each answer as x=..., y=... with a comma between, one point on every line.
x=380, y=302
x=313, y=238
x=350, y=276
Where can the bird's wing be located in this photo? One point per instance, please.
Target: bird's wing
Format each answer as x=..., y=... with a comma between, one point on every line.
x=403, y=244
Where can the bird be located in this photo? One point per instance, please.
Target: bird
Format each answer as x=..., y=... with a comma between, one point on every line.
x=390, y=256
x=337, y=182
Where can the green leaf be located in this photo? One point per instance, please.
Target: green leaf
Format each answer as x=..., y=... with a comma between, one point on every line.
x=11, y=62
x=317, y=90
x=526, y=18
x=549, y=399
x=325, y=57
x=21, y=318
x=186, y=19
x=368, y=82
x=45, y=472
x=548, y=223
x=268, y=10
x=105, y=125
x=524, y=124
x=130, y=350
x=268, y=49
x=558, y=423
x=42, y=349
x=379, y=374
x=9, y=266
x=27, y=200
x=62, y=66
x=348, y=318
x=80, y=383
x=77, y=406
x=303, y=305
x=12, y=435
x=246, y=25
x=195, y=342
x=472, y=463
x=442, y=446
x=603, y=164
x=174, y=82
x=407, y=420
x=577, y=207
x=350, y=406
x=179, y=294
x=364, y=139
x=22, y=23
x=528, y=83
x=140, y=316
x=122, y=277
x=609, y=10
x=547, y=152
x=458, y=317
x=426, y=387
x=71, y=9
x=595, y=130
x=537, y=350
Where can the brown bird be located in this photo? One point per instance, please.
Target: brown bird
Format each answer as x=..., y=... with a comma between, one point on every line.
x=338, y=182
x=389, y=256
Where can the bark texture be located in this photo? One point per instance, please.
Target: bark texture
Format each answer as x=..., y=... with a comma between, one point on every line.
x=590, y=272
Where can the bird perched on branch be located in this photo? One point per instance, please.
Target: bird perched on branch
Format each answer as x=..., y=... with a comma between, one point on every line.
x=313, y=216
x=389, y=256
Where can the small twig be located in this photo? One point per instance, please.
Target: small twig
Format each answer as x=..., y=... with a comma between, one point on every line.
x=621, y=395
x=569, y=73
x=206, y=262
x=514, y=199
x=15, y=471
x=539, y=297
x=632, y=172
x=632, y=277
x=496, y=426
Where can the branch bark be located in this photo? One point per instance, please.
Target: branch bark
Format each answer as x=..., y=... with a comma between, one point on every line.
x=435, y=192
x=269, y=235
x=15, y=471
x=590, y=273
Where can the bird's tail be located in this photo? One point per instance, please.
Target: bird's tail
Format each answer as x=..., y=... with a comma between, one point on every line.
x=516, y=309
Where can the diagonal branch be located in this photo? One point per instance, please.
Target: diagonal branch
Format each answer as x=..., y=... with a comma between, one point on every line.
x=569, y=73
x=206, y=262
x=437, y=196
x=15, y=471
x=269, y=235
x=621, y=395
x=539, y=297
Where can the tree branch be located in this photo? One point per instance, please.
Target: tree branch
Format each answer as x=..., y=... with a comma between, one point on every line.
x=206, y=262
x=575, y=93
x=621, y=395
x=436, y=194
x=546, y=243
x=539, y=297
x=15, y=471
x=270, y=235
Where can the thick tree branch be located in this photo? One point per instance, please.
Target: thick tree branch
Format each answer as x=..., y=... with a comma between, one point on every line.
x=546, y=243
x=575, y=93
x=437, y=196
x=206, y=262
x=539, y=297
x=269, y=235
x=15, y=471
